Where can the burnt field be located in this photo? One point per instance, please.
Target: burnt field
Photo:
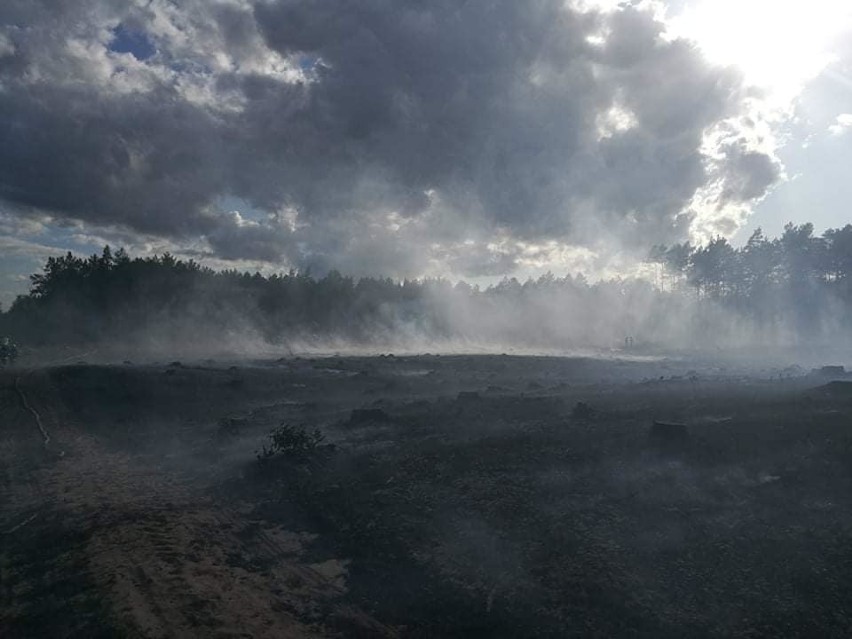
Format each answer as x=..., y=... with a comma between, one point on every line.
x=493, y=496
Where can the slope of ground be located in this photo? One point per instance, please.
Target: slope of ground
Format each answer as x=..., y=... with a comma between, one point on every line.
x=473, y=498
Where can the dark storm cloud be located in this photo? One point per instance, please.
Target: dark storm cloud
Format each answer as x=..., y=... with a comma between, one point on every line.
x=150, y=161
x=374, y=136
x=746, y=173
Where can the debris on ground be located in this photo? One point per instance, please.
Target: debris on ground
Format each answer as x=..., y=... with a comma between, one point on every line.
x=509, y=516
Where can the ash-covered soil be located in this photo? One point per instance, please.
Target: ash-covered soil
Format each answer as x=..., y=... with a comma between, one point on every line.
x=493, y=496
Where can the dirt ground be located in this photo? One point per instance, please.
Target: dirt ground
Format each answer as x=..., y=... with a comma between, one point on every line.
x=493, y=496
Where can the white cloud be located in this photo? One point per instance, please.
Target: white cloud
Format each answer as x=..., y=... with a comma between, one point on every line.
x=615, y=120
x=6, y=46
x=779, y=46
x=11, y=246
x=842, y=124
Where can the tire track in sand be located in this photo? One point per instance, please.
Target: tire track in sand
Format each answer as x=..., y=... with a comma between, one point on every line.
x=170, y=561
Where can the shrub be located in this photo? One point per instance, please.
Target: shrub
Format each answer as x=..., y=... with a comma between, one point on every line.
x=8, y=351
x=291, y=441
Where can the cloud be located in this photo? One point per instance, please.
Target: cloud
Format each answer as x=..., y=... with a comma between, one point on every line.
x=406, y=137
x=11, y=246
x=842, y=124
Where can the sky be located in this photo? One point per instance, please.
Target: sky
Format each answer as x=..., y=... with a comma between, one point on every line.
x=406, y=138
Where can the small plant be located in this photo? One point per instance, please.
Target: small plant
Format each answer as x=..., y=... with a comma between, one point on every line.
x=8, y=351
x=291, y=441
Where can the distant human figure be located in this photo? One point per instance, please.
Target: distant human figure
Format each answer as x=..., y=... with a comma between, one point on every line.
x=628, y=342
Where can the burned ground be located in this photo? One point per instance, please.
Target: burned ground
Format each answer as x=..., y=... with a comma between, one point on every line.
x=465, y=496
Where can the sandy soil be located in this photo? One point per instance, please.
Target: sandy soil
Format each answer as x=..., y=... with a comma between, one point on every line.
x=476, y=499
x=154, y=554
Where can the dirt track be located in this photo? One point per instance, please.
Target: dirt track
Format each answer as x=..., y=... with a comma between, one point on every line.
x=140, y=546
x=484, y=505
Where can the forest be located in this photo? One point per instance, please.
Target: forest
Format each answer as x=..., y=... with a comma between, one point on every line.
x=791, y=289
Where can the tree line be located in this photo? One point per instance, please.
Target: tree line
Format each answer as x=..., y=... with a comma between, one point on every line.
x=797, y=278
x=795, y=285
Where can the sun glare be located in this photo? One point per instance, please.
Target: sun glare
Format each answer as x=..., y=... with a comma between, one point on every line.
x=778, y=45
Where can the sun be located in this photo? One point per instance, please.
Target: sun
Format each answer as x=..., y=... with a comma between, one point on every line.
x=778, y=44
